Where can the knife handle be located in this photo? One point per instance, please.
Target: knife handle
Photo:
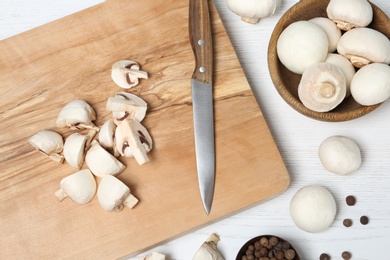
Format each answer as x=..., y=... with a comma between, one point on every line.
x=201, y=40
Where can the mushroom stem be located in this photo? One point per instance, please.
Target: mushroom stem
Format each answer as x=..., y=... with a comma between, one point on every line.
x=130, y=201
x=325, y=89
x=250, y=20
x=134, y=72
x=84, y=126
x=56, y=157
x=91, y=134
x=359, y=62
x=60, y=194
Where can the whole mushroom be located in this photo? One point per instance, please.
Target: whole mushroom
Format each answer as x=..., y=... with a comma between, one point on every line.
x=301, y=45
x=332, y=31
x=251, y=11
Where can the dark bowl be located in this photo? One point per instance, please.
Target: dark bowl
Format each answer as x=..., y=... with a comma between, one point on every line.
x=252, y=241
x=286, y=82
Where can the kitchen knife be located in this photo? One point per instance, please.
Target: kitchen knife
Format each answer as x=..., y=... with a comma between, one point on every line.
x=202, y=98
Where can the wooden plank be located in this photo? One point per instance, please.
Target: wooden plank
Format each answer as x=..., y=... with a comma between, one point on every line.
x=43, y=69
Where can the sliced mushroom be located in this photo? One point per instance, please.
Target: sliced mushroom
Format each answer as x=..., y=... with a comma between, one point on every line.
x=101, y=162
x=345, y=66
x=322, y=87
x=49, y=143
x=113, y=195
x=127, y=107
x=80, y=187
x=331, y=30
x=348, y=14
x=126, y=73
x=107, y=137
x=77, y=114
x=363, y=46
x=75, y=147
x=133, y=139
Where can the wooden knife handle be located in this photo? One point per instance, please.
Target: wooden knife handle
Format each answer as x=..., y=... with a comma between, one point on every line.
x=201, y=40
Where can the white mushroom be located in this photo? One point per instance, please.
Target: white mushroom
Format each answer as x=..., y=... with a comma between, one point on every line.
x=49, y=143
x=322, y=87
x=154, y=256
x=113, y=194
x=101, y=162
x=251, y=11
x=363, y=46
x=107, y=137
x=126, y=73
x=340, y=155
x=77, y=114
x=126, y=106
x=348, y=14
x=332, y=31
x=80, y=187
x=313, y=209
x=75, y=147
x=208, y=250
x=345, y=66
x=301, y=45
x=371, y=84
x=133, y=139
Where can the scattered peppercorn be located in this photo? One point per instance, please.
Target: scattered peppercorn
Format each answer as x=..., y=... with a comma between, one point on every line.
x=351, y=200
x=324, y=257
x=346, y=255
x=347, y=222
x=364, y=220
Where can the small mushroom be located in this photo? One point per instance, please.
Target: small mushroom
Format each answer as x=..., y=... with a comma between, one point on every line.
x=107, y=136
x=77, y=114
x=48, y=143
x=322, y=87
x=340, y=155
x=363, y=46
x=348, y=14
x=209, y=250
x=126, y=73
x=101, y=162
x=113, y=194
x=251, y=11
x=301, y=45
x=345, y=66
x=75, y=147
x=126, y=106
x=80, y=187
x=154, y=256
x=332, y=31
x=133, y=139
x=313, y=209
x=371, y=84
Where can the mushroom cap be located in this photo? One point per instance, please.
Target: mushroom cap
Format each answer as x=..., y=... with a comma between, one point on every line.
x=371, y=84
x=350, y=13
x=74, y=149
x=101, y=162
x=111, y=193
x=332, y=31
x=364, y=43
x=47, y=142
x=322, y=87
x=345, y=66
x=75, y=112
x=301, y=45
x=313, y=209
x=340, y=155
x=80, y=186
x=253, y=8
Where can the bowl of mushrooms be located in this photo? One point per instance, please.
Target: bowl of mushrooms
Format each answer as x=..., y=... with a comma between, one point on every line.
x=329, y=59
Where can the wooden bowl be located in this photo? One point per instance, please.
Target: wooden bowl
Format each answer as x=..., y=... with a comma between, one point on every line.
x=252, y=241
x=286, y=82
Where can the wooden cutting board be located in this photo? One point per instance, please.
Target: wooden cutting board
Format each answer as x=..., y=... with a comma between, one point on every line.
x=43, y=69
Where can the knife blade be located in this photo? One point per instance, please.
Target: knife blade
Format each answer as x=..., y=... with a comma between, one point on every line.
x=202, y=99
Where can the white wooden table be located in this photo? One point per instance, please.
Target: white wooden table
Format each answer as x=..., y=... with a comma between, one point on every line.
x=297, y=137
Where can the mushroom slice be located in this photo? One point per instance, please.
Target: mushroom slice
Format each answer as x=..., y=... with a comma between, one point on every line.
x=77, y=114
x=113, y=195
x=132, y=139
x=75, y=147
x=322, y=87
x=127, y=106
x=49, y=143
x=126, y=73
x=101, y=162
x=348, y=14
x=80, y=187
x=363, y=46
x=106, y=136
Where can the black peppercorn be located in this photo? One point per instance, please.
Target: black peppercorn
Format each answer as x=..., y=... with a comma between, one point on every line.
x=264, y=241
x=346, y=255
x=324, y=257
x=347, y=222
x=289, y=254
x=364, y=220
x=350, y=200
